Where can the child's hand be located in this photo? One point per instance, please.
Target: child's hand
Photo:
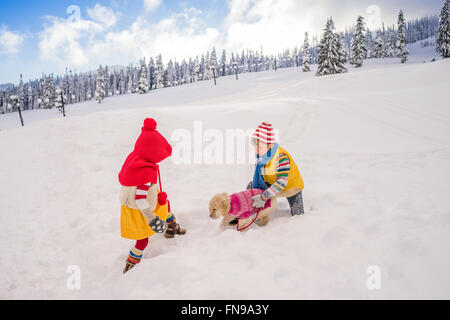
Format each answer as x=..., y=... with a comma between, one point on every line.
x=154, y=222
x=158, y=225
x=258, y=201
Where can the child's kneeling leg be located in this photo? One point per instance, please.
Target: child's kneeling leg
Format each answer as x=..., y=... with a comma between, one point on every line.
x=296, y=204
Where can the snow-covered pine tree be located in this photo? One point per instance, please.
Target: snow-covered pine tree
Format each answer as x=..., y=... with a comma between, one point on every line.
x=116, y=81
x=89, y=87
x=151, y=73
x=401, y=38
x=223, y=64
x=358, y=45
x=106, y=77
x=261, y=61
x=389, y=50
x=342, y=51
x=208, y=74
x=329, y=58
x=169, y=75
x=306, y=60
x=159, y=72
x=48, y=93
x=234, y=65
x=60, y=99
x=21, y=93
x=100, y=90
x=30, y=96
x=213, y=63
x=143, y=81
x=370, y=45
x=196, y=70
x=379, y=44
x=443, y=32
x=277, y=63
x=189, y=71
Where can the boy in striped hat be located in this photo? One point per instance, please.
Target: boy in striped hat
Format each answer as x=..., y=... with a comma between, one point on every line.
x=276, y=172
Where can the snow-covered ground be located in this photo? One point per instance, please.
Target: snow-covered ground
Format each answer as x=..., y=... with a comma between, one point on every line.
x=373, y=146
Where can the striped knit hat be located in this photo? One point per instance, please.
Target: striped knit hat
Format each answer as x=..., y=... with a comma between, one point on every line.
x=264, y=133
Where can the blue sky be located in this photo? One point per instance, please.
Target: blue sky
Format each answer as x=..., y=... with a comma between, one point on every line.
x=41, y=36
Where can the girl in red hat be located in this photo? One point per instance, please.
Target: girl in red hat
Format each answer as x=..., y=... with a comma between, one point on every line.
x=145, y=209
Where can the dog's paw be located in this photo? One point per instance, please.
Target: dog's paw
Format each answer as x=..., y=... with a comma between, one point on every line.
x=262, y=221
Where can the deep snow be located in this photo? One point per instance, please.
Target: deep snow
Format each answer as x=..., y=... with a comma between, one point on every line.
x=373, y=147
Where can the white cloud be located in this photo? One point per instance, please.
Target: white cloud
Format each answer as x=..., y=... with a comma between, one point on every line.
x=104, y=15
x=278, y=24
x=88, y=43
x=151, y=5
x=10, y=42
x=67, y=41
x=144, y=39
x=61, y=41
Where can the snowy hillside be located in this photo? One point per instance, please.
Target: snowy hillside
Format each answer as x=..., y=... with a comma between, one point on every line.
x=373, y=146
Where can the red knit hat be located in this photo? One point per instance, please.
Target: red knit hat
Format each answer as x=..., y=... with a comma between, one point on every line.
x=141, y=167
x=264, y=133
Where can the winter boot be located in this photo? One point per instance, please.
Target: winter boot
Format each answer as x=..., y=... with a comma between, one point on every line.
x=128, y=266
x=173, y=228
x=134, y=257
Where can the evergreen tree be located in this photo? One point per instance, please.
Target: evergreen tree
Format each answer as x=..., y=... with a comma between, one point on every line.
x=151, y=73
x=106, y=77
x=401, y=38
x=358, y=44
x=100, y=90
x=196, y=70
x=48, y=93
x=342, y=51
x=370, y=45
x=443, y=32
x=208, y=74
x=223, y=64
x=21, y=93
x=169, y=75
x=389, y=45
x=379, y=45
x=329, y=55
x=159, y=72
x=143, y=81
x=306, y=60
x=277, y=63
x=60, y=99
x=213, y=63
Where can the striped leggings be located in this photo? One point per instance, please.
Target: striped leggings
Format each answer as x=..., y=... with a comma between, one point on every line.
x=136, y=253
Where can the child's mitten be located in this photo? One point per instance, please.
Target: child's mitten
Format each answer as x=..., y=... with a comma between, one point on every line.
x=157, y=225
x=258, y=201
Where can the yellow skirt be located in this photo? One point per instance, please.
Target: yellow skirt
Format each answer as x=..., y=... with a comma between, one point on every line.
x=133, y=224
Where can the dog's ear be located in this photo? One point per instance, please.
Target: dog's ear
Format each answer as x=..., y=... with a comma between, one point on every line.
x=211, y=208
x=225, y=203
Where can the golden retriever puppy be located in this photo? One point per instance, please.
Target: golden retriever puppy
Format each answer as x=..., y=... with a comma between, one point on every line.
x=238, y=206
